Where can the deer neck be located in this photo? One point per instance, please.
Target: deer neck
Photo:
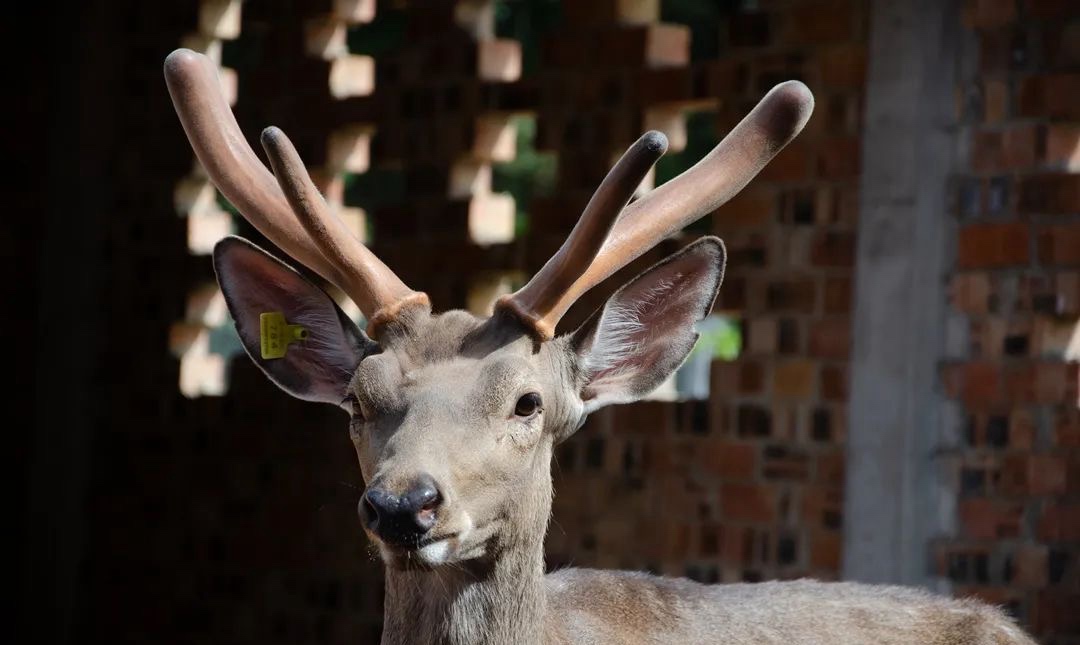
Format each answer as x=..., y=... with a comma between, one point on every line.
x=496, y=600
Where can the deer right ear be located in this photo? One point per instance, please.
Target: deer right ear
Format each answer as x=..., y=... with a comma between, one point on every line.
x=646, y=329
x=317, y=367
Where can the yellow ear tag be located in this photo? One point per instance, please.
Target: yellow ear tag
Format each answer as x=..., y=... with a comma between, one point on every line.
x=276, y=335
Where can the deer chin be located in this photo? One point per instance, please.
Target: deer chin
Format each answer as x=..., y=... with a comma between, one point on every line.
x=447, y=547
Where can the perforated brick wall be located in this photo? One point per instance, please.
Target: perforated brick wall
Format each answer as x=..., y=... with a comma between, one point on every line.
x=1015, y=296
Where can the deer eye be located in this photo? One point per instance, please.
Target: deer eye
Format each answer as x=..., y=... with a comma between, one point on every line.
x=528, y=405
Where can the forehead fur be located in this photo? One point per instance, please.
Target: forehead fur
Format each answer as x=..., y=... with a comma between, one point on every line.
x=457, y=333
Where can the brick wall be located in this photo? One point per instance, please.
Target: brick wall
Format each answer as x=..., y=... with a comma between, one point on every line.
x=747, y=485
x=1015, y=296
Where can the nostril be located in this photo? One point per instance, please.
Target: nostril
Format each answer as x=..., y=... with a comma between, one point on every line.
x=425, y=499
x=431, y=503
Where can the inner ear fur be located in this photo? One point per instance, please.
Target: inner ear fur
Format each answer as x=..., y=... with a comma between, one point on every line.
x=646, y=329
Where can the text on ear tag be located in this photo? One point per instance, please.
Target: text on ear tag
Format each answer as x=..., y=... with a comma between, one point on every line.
x=275, y=334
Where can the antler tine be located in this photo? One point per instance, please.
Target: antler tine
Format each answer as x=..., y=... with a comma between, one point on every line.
x=247, y=184
x=718, y=177
x=543, y=301
x=370, y=283
x=722, y=173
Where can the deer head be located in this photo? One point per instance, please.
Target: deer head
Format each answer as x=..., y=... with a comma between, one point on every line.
x=454, y=417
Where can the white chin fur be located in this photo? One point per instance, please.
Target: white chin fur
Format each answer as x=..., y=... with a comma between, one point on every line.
x=435, y=553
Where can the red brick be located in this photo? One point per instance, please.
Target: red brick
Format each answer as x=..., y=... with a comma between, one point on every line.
x=794, y=379
x=984, y=519
x=993, y=245
x=1042, y=382
x=751, y=207
x=761, y=336
x=790, y=164
x=606, y=12
x=791, y=295
x=821, y=507
x=1022, y=146
x=788, y=464
x=1059, y=245
x=1062, y=145
x=987, y=151
x=1025, y=146
x=1072, y=473
x=814, y=23
x=731, y=459
x=1049, y=194
x=843, y=66
x=825, y=550
x=837, y=296
x=995, y=100
x=642, y=417
x=833, y=249
x=751, y=377
x=748, y=503
x=988, y=14
x=1029, y=566
x=834, y=383
x=996, y=596
x=1054, y=612
x=1033, y=475
x=838, y=158
x=1060, y=522
x=724, y=377
x=1061, y=46
x=998, y=50
x=1021, y=429
x=831, y=469
x=733, y=544
x=1067, y=427
x=1049, y=96
x=1043, y=9
x=974, y=382
x=830, y=338
x=970, y=292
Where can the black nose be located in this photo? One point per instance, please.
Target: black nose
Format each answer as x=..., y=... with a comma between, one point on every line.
x=401, y=519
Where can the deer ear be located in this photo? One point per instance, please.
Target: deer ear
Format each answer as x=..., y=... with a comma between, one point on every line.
x=316, y=368
x=646, y=329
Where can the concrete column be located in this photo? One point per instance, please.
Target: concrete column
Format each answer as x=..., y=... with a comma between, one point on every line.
x=894, y=502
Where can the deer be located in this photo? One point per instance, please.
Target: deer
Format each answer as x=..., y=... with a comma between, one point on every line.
x=454, y=417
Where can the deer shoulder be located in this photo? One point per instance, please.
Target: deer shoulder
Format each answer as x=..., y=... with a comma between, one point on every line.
x=593, y=606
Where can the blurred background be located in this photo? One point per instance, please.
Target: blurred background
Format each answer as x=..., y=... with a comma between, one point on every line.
x=884, y=391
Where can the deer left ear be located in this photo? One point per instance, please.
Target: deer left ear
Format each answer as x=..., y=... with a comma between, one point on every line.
x=646, y=329
x=316, y=367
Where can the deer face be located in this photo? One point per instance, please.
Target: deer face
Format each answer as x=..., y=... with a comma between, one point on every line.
x=454, y=417
x=454, y=440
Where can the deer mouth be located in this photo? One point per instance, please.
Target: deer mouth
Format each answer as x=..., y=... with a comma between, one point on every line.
x=469, y=542
x=426, y=553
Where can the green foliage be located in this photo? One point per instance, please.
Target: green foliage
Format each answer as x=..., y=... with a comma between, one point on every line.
x=721, y=338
